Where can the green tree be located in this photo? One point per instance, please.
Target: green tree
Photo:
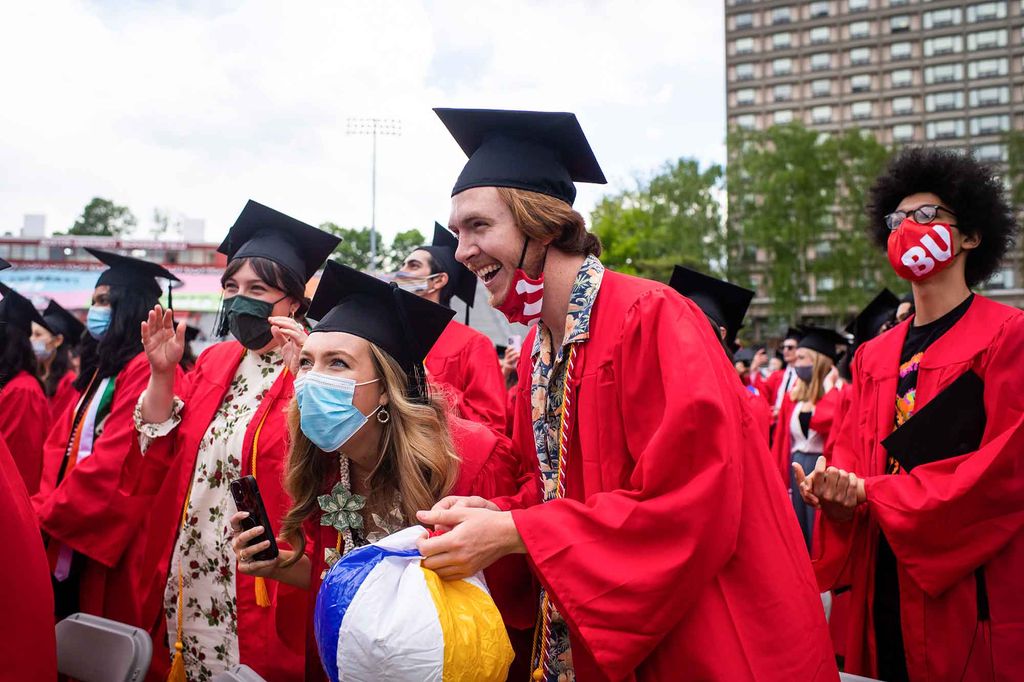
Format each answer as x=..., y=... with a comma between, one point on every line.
x=400, y=247
x=673, y=217
x=102, y=217
x=354, y=249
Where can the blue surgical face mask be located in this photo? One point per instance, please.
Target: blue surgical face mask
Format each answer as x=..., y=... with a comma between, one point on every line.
x=97, y=321
x=327, y=415
x=40, y=349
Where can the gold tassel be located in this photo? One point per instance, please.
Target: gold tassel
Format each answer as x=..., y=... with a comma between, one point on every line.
x=177, y=673
x=262, y=596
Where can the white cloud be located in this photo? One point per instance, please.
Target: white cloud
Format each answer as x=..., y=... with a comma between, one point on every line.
x=200, y=107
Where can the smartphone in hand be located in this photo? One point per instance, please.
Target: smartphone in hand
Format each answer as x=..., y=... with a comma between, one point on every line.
x=247, y=498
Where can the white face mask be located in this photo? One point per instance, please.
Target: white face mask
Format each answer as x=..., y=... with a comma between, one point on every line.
x=414, y=284
x=40, y=349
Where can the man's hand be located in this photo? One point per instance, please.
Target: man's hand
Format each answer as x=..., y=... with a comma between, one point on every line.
x=835, y=491
x=455, y=502
x=478, y=537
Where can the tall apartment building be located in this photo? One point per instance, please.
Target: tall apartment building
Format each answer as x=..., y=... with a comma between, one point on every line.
x=942, y=72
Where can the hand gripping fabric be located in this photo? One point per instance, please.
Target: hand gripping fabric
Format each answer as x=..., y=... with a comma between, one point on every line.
x=381, y=616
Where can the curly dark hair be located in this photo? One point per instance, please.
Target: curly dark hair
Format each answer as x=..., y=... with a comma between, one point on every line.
x=970, y=188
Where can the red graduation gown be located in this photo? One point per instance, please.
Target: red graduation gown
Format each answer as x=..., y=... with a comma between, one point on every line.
x=487, y=469
x=674, y=554
x=66, y=394
x=270, y=640
x=93, y=510
x=759, y=411
x=24, y=423
x=844, y=394
x=464, y=361
x=821, y=421
x=28, y=649
x=945, y=519
x=772, y=385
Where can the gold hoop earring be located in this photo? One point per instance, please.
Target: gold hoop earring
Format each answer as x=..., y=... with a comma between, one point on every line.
x=383, y=416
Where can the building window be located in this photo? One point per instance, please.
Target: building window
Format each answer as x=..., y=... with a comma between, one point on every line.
x=821, y=61
x=986, y=40
x=782, y=15
x=781, y=41
x=901, y=78
x=988, y=68
x=944, y=130
x=859, y=29
x=899, y=23
x=990, y=125
x=1004, y=278
x=782, y=67
x=986, y=11
x=943, y=73
x=901, y=106
x=857, y=5
x=822, y=114
x=746, y=121
x=820, y=9
x=741, y=21
x=782, y=92
x=903, y=132
x=898, y=3
x=987, y=97
x=744, y=72
x=901, y=51
x=943, y=45
x=821, y=87
x=944, y=101
x=744, y=45
x=745, y=96
x=940, y=18
x=782, y=116
x=859, y=110
x=860, y=56
x=819, y=35
x=860, y=83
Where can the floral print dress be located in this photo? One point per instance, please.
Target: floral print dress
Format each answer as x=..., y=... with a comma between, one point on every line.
x=203, y=548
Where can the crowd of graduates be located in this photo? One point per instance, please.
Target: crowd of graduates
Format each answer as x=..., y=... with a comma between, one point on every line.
x=647, y=498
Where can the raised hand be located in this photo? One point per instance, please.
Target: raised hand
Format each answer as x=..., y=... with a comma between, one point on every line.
x=291, y=336
x=164, y=344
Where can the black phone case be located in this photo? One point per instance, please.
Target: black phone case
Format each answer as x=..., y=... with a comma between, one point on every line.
x=248, y=499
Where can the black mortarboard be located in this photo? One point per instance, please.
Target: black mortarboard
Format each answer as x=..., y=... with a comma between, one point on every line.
x=794, y=333
x=744, y=355
x=4, y=264
x=131, y=273
x=537, y=151
x=62, y=322
x=881, y=309
x=261, y=232
x=191, y=333
x=725, y=303
x=18, y=312
x=823, y=341
x=461, y=282
x=400, y=323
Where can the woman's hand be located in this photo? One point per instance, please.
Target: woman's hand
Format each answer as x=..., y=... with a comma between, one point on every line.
x=164, y=344
x=290, y=335
x=244, y=554
x=835, y=491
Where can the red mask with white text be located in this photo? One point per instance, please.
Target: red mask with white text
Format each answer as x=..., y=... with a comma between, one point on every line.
x=916, y=252
x=525, y=295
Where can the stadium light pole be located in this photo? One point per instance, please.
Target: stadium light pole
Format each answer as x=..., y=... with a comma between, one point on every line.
x=374, y=127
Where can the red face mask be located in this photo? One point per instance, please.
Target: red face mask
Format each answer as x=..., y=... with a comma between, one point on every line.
x=916, y=252
x=525, y=295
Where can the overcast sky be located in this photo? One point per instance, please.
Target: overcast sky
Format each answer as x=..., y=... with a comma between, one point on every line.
x=197, y=106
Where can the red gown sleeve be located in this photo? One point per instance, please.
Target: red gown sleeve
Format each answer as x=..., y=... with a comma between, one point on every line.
x=90, y=511
x=781, y=443
x=626, y=564
x=24, y=423
x=482, y=398
x=946, y=518
x=825, y=411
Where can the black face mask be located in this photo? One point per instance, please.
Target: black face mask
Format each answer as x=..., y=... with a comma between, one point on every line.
x=804, y=373
x=246, y=318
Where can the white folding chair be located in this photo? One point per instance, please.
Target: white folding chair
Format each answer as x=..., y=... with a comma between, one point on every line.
x=239, y=673
x=94, y=649
x=848, y=677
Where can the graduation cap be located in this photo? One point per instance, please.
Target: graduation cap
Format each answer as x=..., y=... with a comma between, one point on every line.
x=725, y=303
x=537, y=151
x=401, y=323
x=132, y=273
x=796, y=333
x=18, y=312
x=865, y=326
x=261, y=232
x=745, y=355
x=461, y=282
x=62, y=322
x=822, y=340
x=4, y=264
x=191, y=333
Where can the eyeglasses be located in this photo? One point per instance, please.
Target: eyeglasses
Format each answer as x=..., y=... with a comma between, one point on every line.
x=922, y=215
x=789, y=346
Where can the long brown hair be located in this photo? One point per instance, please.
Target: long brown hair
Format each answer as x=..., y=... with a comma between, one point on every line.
x=541, y=217
x=275, y=276
x=815, y=390
x=418, y=464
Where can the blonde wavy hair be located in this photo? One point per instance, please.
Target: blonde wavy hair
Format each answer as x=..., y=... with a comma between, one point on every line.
x=812, y=392
x=542, y=217
x=418, y=464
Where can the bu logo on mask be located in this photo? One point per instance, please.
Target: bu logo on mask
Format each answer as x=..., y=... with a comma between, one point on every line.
x=915, y=251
